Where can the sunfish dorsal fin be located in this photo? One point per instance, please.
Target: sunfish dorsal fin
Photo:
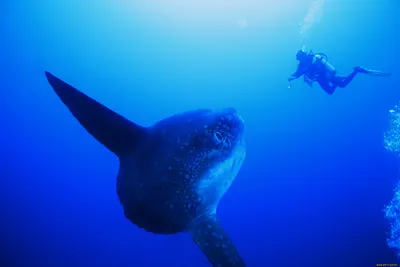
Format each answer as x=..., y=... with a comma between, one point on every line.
x=115, y=132
x=211, y=238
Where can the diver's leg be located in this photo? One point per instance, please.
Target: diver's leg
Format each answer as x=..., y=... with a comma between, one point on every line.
x=344, y=81
x=326, y=86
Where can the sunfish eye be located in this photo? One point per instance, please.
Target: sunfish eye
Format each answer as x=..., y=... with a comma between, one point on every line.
x=218, y=137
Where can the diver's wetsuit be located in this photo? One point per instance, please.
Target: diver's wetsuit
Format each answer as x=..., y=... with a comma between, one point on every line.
x=326, y=75
x=315, y=67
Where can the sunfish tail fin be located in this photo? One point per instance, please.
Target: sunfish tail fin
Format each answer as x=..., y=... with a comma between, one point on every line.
x=211, y=238
x=109, y=128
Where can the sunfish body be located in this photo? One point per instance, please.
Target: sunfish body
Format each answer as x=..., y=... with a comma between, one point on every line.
x=172, y=174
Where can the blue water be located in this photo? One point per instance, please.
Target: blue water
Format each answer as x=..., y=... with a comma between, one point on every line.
x=316, y=176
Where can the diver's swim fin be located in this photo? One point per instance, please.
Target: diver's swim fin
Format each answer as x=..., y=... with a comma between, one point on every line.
x=376, y=73
x=372, y=72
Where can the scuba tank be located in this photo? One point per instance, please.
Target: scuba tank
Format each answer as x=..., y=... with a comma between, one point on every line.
x=324, y=56
x=323, y=63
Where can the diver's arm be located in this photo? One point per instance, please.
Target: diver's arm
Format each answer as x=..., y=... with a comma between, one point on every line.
x=301, y=70
x=297, y=74
x=292, y=77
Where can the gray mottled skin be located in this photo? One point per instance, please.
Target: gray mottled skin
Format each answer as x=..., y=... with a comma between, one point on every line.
x=173, y=174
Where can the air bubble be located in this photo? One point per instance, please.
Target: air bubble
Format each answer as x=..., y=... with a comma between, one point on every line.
x=392, y=210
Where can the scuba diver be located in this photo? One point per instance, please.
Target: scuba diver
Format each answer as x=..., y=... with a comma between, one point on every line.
x=316, y=67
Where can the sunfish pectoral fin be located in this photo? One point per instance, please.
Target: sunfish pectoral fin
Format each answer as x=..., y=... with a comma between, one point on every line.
x=109, y=128
x=211, y=238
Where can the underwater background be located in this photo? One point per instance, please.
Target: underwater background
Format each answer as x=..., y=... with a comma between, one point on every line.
x=316, y=178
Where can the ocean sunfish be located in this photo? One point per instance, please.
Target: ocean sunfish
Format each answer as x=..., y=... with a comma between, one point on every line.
x=172, y=174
